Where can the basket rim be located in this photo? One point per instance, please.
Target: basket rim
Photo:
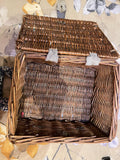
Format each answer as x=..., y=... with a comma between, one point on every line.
x=17, y=139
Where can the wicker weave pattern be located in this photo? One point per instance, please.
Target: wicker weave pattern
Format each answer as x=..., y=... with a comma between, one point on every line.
x=53, y=128
x=65, y=92
x=102, y=121
x=103, y=116
x=102, y=100
x=41, y=91
x=75, y=37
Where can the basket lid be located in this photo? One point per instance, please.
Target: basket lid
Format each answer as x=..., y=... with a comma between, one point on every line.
x=70, y=37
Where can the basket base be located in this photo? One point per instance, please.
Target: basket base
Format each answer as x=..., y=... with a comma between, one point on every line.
x=54, y=128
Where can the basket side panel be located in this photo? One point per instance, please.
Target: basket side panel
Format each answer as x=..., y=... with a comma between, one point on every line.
x=15, y=94
x=102, y=103
x=115, y=104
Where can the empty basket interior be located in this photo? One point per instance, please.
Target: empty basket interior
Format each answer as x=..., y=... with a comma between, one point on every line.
x=62, y=100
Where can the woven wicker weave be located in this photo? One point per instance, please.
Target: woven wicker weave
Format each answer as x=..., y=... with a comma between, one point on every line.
x=68, y=101
x=65, y=92
x=75, y=37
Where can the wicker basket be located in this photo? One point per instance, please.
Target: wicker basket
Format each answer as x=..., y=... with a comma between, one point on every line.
x=68, y=101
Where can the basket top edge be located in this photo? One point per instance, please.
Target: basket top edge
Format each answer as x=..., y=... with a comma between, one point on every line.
x=35, y=17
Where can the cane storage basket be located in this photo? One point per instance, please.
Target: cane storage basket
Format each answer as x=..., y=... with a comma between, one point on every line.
x=65, y=101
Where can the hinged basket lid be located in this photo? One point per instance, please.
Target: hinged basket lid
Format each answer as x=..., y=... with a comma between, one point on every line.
x=70, y=37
